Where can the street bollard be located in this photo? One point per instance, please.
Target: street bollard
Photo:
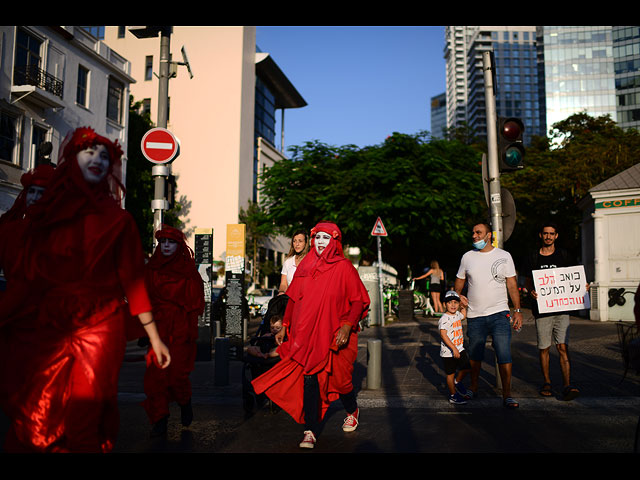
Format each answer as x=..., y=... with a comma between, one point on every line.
x=374, y=364
x=221, y=370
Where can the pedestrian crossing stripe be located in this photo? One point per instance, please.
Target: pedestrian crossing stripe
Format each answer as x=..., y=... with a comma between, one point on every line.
x=378, y=229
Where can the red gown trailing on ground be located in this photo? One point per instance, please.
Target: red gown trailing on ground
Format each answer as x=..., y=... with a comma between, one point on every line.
x=17, y=312
x=326, y=292
x=85, y=263
x=177, y=295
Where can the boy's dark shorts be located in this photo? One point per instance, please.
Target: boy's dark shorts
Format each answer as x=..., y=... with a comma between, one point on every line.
x=452, y=365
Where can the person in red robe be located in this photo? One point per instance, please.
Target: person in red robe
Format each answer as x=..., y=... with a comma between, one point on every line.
x=84, y=263
x=327, y=300
x=177, y=296
x=17, y=317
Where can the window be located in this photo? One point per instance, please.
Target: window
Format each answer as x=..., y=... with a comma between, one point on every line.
x=115, y=100
x=8, y=137
x=27, y=62
x=83, y=86
x=148, y=67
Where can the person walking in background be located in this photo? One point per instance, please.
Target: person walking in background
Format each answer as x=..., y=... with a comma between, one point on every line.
x=85, y=265
x=177, y=295
x=454, y=356
x=299, y=248
x=436, y=284
x=327, y=300
x=490, y=275
x=551, y=327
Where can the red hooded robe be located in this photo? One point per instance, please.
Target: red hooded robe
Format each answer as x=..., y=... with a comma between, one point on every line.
x=177, y=295
x=326, y=292
x=85, y=262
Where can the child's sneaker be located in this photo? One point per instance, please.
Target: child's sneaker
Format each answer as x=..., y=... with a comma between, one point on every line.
x=457, y=399
x=463, y=391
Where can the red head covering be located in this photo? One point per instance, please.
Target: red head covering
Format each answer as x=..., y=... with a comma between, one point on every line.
x=181, y=262
x=39, y=176
x=68, y=193
x=333, y=253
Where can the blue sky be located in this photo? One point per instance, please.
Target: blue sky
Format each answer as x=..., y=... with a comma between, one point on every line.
x=361, y=83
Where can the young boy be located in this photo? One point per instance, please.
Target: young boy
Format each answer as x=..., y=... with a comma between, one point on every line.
x=452, y=351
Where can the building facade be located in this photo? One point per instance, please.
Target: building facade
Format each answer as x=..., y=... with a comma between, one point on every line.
x=224, y=116
x=53, y=80
x=626, y=66
x=438, y=115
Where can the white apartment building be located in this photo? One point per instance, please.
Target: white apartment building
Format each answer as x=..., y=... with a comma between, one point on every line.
x=223, y=116
x=54, y=79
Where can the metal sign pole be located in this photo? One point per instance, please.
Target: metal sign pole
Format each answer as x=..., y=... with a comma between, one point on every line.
x=380, y=281
x=495, y=199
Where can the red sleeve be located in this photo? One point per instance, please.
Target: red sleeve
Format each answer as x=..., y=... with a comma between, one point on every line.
x=131, y=269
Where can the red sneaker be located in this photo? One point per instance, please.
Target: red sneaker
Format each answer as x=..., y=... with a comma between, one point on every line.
x=351, y=422
x=309, y=440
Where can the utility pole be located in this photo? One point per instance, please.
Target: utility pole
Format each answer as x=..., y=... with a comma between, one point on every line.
x=495, y=199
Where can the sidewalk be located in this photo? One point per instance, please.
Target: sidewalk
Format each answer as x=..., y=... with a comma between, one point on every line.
x=409, y=413
x=412, y=368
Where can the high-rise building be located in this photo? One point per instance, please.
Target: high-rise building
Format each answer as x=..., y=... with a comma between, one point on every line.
x=578, y=71
x=438, y=115
x=516, y=75
x=626, y=64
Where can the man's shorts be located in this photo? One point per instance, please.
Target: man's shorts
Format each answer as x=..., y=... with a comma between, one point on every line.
x=498, y=325
x=554, y=328
x=452, y=364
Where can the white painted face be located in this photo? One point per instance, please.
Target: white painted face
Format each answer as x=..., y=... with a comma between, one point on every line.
x=321, y=241
x=34, y=192
x=94, y=163
x=168, y=246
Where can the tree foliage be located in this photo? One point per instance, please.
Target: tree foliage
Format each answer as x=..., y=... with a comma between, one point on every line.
x=427, y=194
x=581, y=152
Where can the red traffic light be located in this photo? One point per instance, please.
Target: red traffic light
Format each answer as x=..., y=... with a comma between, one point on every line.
x=512, y=129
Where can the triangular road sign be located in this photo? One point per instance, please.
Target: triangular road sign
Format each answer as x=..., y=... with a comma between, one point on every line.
x=378, y=229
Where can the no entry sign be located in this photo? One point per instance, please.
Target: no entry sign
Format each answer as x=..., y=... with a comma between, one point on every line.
x=159, y=145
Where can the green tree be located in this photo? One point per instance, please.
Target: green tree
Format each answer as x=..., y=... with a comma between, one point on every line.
x=139, y=182
x=426, y=192
x=581, y=152
x=258, y=226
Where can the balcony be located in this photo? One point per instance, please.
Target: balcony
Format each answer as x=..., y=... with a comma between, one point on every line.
x=42, y=87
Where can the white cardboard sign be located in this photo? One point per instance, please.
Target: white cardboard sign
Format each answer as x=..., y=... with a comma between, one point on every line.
x=561, y=289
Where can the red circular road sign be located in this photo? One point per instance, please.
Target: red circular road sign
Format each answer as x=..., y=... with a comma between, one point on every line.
x=159, y=145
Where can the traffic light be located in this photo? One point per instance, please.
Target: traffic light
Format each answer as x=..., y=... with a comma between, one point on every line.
x=510, y=146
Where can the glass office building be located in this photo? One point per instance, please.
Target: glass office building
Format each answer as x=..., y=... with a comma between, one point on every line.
x=579, y=71
x=516, y=77
x=626, y=58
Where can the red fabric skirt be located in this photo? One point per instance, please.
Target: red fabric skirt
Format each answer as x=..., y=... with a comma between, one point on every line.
x=284, y=382
x=68, y=399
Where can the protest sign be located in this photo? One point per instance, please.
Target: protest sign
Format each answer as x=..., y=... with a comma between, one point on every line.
x=561, y=289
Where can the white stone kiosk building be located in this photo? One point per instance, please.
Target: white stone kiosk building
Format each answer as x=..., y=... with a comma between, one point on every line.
x=611, y=245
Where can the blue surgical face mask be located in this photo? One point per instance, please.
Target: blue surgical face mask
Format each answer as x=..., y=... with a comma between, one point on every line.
x=480, y=244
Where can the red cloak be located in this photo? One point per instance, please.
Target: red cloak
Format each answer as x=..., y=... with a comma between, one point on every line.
x=177, y=295
x=326, y=293
x=84, y=261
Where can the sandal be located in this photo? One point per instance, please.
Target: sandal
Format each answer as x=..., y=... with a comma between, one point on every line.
x=545, y=391
x=570, y=392
x=510, y=403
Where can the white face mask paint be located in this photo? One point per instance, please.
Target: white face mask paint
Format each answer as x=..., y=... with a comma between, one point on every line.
x=94, y=163
x=168, y=246
x=321, y=241
x=34, y=192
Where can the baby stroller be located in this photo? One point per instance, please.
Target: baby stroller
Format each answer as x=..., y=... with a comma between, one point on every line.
x=254, y=366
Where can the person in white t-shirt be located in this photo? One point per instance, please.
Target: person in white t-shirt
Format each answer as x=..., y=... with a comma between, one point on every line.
x=299, y=248
x=490, y=275
x=454, y=356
